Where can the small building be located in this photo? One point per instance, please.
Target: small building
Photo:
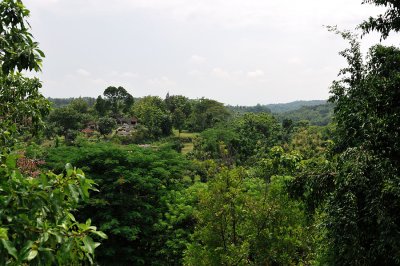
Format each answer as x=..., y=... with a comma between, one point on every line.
x=91, y=125
x=88, y=132
x=131, y=121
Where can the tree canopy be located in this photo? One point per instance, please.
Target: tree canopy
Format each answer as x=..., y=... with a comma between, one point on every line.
x=383, y=23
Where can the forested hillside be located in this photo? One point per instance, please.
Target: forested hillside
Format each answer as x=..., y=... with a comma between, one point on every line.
x=275, y=108
x=292, y=106
x=122, y=180
x=318, y=115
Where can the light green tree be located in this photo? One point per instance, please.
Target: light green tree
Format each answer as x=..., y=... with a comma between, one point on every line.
x=152, y=113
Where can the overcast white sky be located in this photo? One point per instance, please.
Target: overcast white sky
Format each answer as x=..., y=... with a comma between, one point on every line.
x=236, y=51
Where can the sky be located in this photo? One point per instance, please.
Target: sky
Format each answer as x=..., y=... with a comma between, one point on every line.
x=239, y=52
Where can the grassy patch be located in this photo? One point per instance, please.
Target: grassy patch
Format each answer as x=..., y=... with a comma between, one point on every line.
x=185, y=134
x=187, y=147
x=186, y=139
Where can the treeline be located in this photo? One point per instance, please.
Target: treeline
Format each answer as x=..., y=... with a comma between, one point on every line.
x=145, y=119
x=60, y=102
x=156, y=117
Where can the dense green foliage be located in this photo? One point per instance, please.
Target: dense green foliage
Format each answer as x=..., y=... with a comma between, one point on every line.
x=239, y=140
x=134, y=184
x=244, y=221
x=152, y=113
x=106, y=125
x=180, y=108
x=37, y=226
x=368, y=173
x=117, y=100
x=22, y=107
x=18, y=50
x=206, y=114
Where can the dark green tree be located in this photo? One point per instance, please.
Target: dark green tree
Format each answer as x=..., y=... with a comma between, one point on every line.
x=180, y=108
x=101, y=106
x=383, y=23
x=80, y=105
x=66, y=119
x=257, y=133
x=134, y=185
x=362, y=222
x=367, y=100
x=106, y=125
x=118, y=100
x=207, y=113
x=152, y=113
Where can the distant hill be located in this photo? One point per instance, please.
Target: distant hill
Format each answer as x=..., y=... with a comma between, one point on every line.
x=286, y=107
x=317, y=112
x=319, y=115
x=60, y=102
x=249, y=109
x=276, y=108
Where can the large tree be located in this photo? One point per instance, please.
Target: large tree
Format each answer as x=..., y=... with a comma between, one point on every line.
x=18, y=50
x=22, y=106
x=383, y=23
x=363, y=187
x=153, y=114
x=36, y=224
x=180, y=108
x=206, y=113
x=118, y=100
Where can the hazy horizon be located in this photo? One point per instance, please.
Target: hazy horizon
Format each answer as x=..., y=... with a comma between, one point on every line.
x=237, y=52
x=260, y=103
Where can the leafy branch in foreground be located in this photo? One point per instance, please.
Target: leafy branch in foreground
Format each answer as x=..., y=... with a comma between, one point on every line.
x=36, y=221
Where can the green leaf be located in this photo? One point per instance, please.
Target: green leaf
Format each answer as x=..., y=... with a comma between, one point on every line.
x=71, y=216
x=4, y=233
x=89, y=244
x=11, y=161
x=32, y=254
x=58, y=236
x=74, y=192
x=69, y=169
x=100, y=234
x=46, y=249
x=44, y=179
x=40, y=53
x=8, y=245
x=24, y=251
x=89, y=258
